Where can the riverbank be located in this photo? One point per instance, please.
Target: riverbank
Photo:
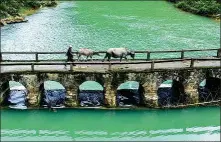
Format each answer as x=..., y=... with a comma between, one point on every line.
x=12, y=12
x=207, y=8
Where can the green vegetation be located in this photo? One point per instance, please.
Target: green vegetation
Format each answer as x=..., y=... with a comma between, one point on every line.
x=12, y=8
x=209, y=8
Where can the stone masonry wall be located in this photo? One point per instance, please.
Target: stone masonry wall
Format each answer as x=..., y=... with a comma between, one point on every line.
x=150, y=81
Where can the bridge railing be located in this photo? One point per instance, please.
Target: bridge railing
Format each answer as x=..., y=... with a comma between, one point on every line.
x=152, y=64
x=148, y=54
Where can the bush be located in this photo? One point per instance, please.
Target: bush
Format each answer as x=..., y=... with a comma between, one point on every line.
x=12, y=7
x=33, y=4
x=201, y=7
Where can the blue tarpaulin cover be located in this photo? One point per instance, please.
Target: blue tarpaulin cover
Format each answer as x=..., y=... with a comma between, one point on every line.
x=91, y=98
x=17, y=99
x=127, y=97
x=54, y=98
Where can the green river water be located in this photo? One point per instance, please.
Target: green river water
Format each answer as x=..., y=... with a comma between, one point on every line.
x=201, y=124
x=140, y=25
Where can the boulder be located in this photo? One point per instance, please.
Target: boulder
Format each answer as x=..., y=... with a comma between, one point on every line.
x=2, y=23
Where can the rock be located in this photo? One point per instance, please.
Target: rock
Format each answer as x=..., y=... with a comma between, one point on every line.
x=2, y=23
x=218, y=16
x=19, y=18
x=16, y=19
x=12, y=20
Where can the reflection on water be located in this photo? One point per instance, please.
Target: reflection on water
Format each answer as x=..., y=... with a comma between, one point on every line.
x=94, y=125
x=196, y=133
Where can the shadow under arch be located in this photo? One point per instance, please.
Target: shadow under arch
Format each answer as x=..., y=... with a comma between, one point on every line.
x=53, y=94
x=171, y=92
x=210, y=89
x=130, y=93
x=4, y=92
x=16, y=95
x=91, y=93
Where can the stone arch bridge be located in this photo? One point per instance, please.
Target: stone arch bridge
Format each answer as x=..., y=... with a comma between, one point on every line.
x=150, y=73
x=150, y=81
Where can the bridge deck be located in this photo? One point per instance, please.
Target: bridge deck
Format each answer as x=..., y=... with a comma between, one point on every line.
x=98, y=66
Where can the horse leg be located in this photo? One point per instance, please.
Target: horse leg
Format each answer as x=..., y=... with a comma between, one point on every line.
x=125, y=58
x=104, y=57
x=109, y=57
x=121, y=58
x=91, y=58
x=79, y=57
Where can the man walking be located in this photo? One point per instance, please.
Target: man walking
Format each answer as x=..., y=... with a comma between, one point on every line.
x=69, y=55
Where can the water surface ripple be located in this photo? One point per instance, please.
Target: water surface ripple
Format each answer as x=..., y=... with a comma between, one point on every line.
x=201, y=124
x=140, y=25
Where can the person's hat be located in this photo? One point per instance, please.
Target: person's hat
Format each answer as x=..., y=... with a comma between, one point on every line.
x=70, y=46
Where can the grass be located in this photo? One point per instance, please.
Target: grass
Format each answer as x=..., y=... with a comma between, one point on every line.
x=208, y=8
x=27, y=11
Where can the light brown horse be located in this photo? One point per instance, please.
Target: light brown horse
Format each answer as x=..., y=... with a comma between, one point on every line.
x=86, y=52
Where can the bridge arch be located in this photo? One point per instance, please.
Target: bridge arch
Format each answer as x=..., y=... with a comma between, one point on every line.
x=90, y=93
x=171, y=92
x=169, y=76
x=209, y=89
x=56, y=77
x=99, y=78
x=147, y=82
x=130, y=93
x=53, y=94
x=16, y=95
